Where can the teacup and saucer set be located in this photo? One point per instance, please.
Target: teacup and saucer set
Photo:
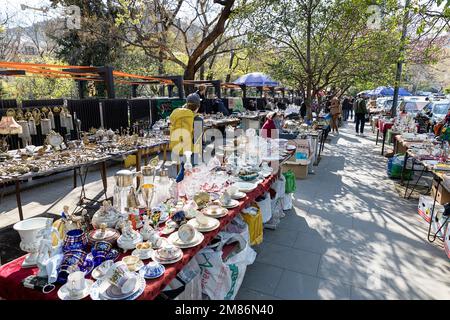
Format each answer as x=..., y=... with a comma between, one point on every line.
x=143, y=250
x=203, y=223
x=170, y=227
x=235, y=194
x=76, y=288
x=186, y=237
x=227, y=202
x=215, y=211
x=133, y=263
x=168, y=254
x=152, y=270
x=118, y=284
x=100, y=271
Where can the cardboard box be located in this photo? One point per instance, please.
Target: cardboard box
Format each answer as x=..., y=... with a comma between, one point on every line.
x=443, y=196
x=426, y=205
x=300, y=169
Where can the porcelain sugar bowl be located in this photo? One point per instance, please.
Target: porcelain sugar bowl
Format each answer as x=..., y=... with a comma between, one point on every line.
x=106, y=214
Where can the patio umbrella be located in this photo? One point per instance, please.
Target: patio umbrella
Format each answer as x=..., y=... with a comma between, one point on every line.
x=403, y=92
x=256, y=79
x=382, y=91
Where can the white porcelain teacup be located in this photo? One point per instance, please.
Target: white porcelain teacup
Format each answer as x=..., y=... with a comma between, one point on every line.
x=225, y=198
x=105, y=266
x=143, y=248
x=186, y=233
x=168, y=251
x=201, y=219
x=119, y=276
x=232, y=190
x=131, y=262
x=76, y=283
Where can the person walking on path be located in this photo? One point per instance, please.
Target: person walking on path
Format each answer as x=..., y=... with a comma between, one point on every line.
x=335, y=111
x=346, y=107
x=360, y=115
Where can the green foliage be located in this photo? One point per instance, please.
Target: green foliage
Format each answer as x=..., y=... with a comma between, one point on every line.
x=34, y=87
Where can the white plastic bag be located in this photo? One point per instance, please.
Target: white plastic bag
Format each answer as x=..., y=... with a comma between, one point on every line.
x=221, y=279
x=287, y=201
x=187, y=284
x=239, y=226
x=280, y=187
x=447, y=240
x=266, y=207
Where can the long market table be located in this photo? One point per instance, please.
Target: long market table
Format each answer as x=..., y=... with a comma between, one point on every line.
x=81, y=170
x=383, y=126
x=11, y=274
x=438, y=178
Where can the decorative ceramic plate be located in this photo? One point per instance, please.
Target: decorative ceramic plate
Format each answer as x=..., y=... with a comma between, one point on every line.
x=163, y=261
x=175, y=240
x=290, y=147
x=64, y=294
x=220, y=212
x=238, y=195
x=246, y=186
x=212, y=224
x=141, y=256
x=233, y=204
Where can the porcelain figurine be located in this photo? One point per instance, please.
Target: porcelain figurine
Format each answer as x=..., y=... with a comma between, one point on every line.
x=147, y=228
x=47, y=247
x=129, y=237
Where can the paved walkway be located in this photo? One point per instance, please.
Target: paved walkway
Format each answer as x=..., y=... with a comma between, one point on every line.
x=350, y=236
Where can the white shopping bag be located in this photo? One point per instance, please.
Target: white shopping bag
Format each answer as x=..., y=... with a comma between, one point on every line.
x=266, y=207
x=287, y=201
x=221, y=279
x=447, y=240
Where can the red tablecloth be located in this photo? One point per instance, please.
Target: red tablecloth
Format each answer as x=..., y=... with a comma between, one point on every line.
x=384, y=126
x=11, y=274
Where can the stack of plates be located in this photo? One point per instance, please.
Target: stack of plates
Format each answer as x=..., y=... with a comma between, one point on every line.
x=114, y=293
x=175, y=240
x=212, y=224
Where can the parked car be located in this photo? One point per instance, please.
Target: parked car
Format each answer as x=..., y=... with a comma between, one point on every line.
x=412, y=105
x=438, y=110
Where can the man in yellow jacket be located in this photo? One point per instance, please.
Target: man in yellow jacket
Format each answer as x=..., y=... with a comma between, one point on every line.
x=182, y=126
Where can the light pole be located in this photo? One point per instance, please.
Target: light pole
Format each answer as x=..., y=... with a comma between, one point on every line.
x=398, y=75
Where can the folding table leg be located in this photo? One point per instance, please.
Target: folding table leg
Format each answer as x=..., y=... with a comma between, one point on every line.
x=19, y=200
x=429, y=237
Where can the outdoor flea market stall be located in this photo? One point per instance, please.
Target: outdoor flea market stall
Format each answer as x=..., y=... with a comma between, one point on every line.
x=152, y=239
x=421, y=158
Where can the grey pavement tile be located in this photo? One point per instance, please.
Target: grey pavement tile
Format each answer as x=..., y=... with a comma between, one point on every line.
x=321, y=241
x=248, y=294
x=289, y=258
x=262, y=277
x=294, y=222
x=365, y=294
x=294, y=285
x=280, y=236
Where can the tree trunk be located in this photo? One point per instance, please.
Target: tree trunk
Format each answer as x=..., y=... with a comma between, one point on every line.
x=230, y=67
x=309, y=83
